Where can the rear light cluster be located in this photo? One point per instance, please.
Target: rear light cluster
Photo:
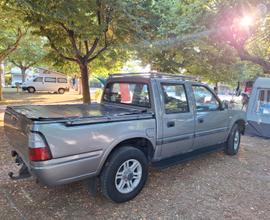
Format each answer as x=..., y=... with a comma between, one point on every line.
x=38, y=148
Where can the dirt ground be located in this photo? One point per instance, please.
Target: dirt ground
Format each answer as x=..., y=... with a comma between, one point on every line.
x=11, y=97
x=215, y=186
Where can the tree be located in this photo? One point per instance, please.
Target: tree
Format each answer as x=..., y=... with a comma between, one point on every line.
x=10, y=35
x=197, y=38
x=80, y=31
x=182, y=44
x=30, y=52
x=245, y=27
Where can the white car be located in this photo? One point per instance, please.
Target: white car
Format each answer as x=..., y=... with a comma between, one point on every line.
x=49, y=83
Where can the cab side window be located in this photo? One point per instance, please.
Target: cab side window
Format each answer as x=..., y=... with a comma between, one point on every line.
x=205, y=99
x=175, y=98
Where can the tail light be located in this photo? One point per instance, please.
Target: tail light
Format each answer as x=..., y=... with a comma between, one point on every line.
x=38, y=148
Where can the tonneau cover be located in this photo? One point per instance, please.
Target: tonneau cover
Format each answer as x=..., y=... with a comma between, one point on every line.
x=52, y=112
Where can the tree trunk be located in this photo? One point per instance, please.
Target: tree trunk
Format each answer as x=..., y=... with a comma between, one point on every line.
x=23, y=70
x=85, y=82
x=1, y=73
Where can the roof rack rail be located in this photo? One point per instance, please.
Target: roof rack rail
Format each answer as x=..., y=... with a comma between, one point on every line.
x=154, y=75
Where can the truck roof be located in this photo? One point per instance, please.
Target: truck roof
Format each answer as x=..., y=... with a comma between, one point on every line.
x=149, y=75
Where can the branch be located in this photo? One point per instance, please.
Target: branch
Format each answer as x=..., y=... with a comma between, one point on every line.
x=15, y=64
x=101, y=50
x=58, y=51
x=4, y=53
x=244, y=55
x=94, y=46
x=31, y=64
x=86, y=46
x=71, y=37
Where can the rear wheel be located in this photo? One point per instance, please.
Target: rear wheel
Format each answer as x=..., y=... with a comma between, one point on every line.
x=31, y=89
x=61, y=91
x=234, y=140
x=124, y=175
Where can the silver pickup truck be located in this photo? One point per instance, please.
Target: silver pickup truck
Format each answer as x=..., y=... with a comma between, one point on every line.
x=143, y=119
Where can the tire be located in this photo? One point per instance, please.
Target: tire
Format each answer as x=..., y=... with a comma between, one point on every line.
x=61, y=91
x=122, y=188
x=233, y=142
x=31, y=89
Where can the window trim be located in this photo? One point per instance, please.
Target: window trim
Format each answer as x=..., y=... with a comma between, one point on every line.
x=126, y=104
x=185, y=90
x=207, y=88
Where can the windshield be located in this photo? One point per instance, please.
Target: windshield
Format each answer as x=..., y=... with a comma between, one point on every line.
x=136, y=94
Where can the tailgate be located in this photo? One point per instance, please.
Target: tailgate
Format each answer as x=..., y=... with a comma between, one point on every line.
x=17, y=128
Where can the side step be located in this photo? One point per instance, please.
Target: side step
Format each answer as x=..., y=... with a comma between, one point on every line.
x=165, y=163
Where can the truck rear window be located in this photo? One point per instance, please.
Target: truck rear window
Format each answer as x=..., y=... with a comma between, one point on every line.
x=136, y=94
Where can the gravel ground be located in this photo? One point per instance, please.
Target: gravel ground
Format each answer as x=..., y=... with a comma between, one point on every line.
x=215, y=186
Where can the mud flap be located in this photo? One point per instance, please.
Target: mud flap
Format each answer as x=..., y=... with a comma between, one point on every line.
x=92, y=186
x=23, y=172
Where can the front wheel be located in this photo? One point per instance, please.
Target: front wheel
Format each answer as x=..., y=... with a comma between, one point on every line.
x=124, y=175
x=31, y=89
x=233, y=142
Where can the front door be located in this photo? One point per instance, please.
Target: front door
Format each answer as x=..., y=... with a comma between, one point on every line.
x=211, y=121
x=38, y=84
x=178, y=120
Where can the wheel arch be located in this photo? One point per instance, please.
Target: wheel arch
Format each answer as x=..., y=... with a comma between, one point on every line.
x=242, y=125
x=142, y=143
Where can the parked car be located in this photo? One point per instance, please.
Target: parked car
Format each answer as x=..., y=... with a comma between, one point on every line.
x=47, y=82
x=143, y=119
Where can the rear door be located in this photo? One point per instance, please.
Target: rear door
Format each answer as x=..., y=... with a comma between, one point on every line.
x=177, y=121
x=211, y=121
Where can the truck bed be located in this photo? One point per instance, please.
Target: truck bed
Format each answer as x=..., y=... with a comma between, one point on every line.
x=71, y=111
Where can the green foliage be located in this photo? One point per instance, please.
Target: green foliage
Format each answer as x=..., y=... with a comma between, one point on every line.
x=189, y=40
x=30, y=52
x=11, y=31
x=193, y=37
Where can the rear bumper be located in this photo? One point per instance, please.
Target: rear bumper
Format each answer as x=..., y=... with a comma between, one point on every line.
x=67, y=169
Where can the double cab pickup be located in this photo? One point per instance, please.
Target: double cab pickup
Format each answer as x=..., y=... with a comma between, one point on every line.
x=143, y=119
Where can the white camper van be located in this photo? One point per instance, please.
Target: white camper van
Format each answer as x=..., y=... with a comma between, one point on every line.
x=47, y=82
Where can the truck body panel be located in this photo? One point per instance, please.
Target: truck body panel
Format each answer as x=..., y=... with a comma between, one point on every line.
x=165, y=118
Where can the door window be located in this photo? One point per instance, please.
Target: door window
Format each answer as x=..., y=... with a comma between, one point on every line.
x=50, y=79
x=38, y=79
x=175, y=98
x=205, y=99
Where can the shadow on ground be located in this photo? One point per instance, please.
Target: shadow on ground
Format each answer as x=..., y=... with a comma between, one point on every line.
x=215, y=186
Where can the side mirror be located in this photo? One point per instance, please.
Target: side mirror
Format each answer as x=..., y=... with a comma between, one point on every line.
x=224, y=105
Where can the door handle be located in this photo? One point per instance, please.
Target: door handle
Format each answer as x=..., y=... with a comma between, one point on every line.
x=200, y=120
x=170, y=124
